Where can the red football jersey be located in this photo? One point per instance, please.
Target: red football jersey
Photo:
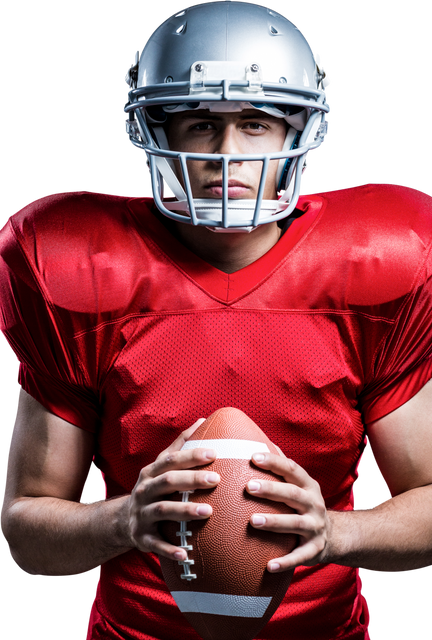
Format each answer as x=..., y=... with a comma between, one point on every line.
x=124, y=332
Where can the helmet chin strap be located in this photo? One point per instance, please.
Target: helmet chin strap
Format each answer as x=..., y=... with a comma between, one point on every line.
x=240, y=210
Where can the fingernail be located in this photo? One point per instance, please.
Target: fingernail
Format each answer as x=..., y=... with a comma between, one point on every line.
x=212, y=477
x=274, y=566
x=209, y=454
x=258, y=457
x=203, y=510
x=258, y=520
x=254, y=486
x=179, y=555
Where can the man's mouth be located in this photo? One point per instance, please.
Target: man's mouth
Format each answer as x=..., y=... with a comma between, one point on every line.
x=236, y=189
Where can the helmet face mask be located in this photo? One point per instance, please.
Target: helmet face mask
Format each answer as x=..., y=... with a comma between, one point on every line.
x=226, y=57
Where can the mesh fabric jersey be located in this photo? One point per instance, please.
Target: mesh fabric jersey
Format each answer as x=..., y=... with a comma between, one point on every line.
x=122, y=331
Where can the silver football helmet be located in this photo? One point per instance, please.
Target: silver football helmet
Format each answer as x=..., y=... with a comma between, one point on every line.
x=226, y=56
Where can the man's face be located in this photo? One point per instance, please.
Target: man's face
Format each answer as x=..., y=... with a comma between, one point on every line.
x=249, y=131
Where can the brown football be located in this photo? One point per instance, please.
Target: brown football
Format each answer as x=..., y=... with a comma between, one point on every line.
x=223, y=588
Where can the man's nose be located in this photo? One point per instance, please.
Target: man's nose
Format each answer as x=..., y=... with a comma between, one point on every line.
x=228, y=141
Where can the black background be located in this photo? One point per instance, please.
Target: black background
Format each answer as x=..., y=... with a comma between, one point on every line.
x=62, y=129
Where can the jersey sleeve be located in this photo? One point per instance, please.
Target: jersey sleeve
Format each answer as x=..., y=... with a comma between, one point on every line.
x=403, y=362
x=48, y=370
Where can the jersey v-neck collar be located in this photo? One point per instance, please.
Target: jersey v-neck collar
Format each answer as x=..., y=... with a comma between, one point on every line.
x=227, y=287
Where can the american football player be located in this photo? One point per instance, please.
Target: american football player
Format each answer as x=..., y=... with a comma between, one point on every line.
x=133, y=318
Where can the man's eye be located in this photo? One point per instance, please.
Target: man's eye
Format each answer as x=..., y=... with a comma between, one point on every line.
x=202, y=126
x=255, y=126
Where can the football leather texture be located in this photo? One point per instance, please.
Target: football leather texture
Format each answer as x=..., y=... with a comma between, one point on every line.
x=224, y=589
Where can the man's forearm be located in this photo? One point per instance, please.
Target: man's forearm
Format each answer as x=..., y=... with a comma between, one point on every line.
x=394, y=536
x=50, y=536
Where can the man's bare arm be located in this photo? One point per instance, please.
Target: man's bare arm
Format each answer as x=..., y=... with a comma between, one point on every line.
x=394, y=536
x=47, y=528
x=50, y=532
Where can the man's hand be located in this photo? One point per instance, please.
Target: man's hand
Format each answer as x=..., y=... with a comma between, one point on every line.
x=310, y=522
x=171, y=472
